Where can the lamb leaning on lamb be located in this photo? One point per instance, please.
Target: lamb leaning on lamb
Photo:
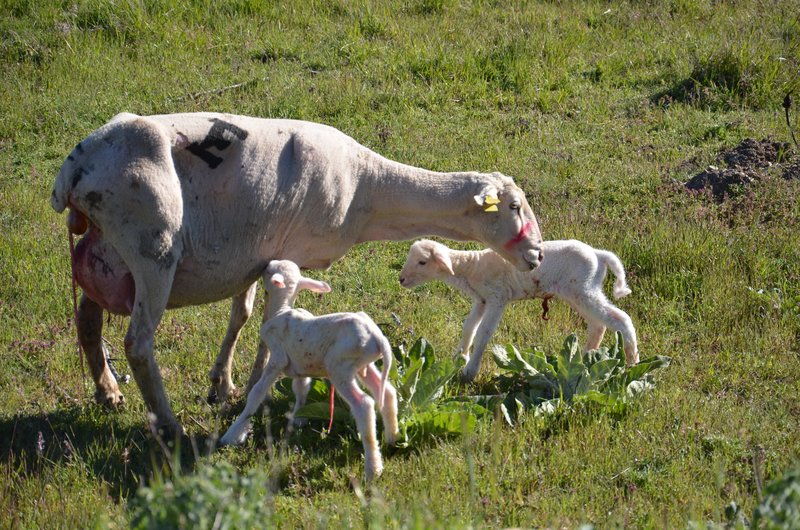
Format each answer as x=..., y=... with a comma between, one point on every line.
x=571, y=270
x=339, y=346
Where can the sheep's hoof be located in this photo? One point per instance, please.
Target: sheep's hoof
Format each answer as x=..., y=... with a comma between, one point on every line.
x=221, y=392
x=112, y=399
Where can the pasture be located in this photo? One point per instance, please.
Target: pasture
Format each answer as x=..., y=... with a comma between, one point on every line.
x=601, y=111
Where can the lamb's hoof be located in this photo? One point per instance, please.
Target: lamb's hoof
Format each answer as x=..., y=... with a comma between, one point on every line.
x=112, y=399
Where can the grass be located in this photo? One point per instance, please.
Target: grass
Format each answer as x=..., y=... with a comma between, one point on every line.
x=595, y=108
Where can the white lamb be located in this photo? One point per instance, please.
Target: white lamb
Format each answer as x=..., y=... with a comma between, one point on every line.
x=339, y=346
x=571, y=270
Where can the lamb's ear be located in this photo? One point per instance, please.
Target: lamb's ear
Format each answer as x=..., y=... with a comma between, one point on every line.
x=277, y=280
x=315, y=286
x=488, y=199
x=181, y=141
x=443, y=260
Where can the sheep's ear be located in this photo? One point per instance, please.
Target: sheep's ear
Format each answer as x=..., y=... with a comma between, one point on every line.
x=488, y=199
x=278, y=281
x=315, y=286
x=443, y=259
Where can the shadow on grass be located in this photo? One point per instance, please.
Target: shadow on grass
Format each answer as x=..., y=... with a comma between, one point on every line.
x=122, y=455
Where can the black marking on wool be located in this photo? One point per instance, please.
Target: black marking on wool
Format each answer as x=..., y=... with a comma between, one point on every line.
x=94, y=199
x=77, y=175
x=216, y=138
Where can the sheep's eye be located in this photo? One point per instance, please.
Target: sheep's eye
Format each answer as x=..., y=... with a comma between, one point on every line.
x=423, y=262
x=514, y=206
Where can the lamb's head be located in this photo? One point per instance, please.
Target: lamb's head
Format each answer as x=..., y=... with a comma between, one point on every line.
x=283, y=280
x=427, y=260
x=503, y=221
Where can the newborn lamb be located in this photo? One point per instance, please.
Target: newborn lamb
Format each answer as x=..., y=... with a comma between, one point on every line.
x=571, y=270
x=339, y=346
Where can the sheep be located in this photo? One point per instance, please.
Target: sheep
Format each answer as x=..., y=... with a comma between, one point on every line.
x=571, y=270
x=339, y=346
x=187, y=209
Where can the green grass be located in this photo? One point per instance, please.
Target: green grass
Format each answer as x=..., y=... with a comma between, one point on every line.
x=595, y=108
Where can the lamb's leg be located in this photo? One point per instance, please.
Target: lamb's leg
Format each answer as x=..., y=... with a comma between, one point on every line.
x=363, y=408
x=153, y=284
x=604, y=313
x=471, y=324
x=300, y=387
x=237, y=433
x=372, y=378
x=594, y=335
x=262, y=357
x=90, y=327
x=222, y=387
x=491, y=319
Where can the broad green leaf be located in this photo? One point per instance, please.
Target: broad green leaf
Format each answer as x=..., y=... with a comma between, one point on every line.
x=321, y=411
x=600, y=371
x=430, y=385
x=407, y=387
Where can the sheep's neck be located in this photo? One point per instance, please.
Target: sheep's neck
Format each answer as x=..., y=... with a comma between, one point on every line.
x=406, y=202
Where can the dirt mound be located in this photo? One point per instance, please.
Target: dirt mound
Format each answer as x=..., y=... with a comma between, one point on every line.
x=747, y=162
x=754, y=154
x=720, y=181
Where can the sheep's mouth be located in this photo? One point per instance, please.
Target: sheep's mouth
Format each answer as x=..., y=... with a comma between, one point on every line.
x=533, y=258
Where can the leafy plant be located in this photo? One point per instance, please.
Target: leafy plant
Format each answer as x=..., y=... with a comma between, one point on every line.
x=421, y=382
x=214, y=497
x=533, y=380
x=780, y=507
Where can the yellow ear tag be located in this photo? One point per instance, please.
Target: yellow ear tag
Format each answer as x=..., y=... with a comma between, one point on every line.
x=492, y=204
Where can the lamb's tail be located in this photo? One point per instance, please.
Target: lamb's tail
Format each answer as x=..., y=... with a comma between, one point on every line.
x=615, y=265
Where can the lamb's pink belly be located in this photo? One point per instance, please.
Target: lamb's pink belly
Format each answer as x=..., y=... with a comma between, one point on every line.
x=102, y=274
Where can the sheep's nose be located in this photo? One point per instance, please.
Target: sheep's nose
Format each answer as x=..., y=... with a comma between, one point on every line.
x=402, y=280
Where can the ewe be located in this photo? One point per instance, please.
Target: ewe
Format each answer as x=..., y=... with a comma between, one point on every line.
x=570, y=270
x=338, y=346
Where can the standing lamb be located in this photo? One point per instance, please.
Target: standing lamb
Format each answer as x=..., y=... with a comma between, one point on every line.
x=187, y=209
x=571, y=270
x=339, y=346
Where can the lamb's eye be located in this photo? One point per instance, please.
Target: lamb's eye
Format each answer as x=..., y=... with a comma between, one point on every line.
x=423, y=262
x=514, y=206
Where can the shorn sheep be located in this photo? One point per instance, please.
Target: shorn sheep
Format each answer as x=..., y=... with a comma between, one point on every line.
x=571, y=270
x=339, y=346
x=188, y=209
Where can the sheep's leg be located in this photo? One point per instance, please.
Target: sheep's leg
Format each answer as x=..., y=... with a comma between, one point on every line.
x=262, y=357
x=491, y=319
x=471, y=324
x=300, y=387
x=90, y=328
x=153, y=283
x=237, y=433
x=363, y=408
x=222, y=387
x=372, y=378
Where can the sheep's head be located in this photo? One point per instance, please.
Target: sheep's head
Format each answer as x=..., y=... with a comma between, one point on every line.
x=283, y=277
x=505, y=222
x=427, y=260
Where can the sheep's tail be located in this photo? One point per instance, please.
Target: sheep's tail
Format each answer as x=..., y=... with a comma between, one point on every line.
x=615, y=265
x=387, y=366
